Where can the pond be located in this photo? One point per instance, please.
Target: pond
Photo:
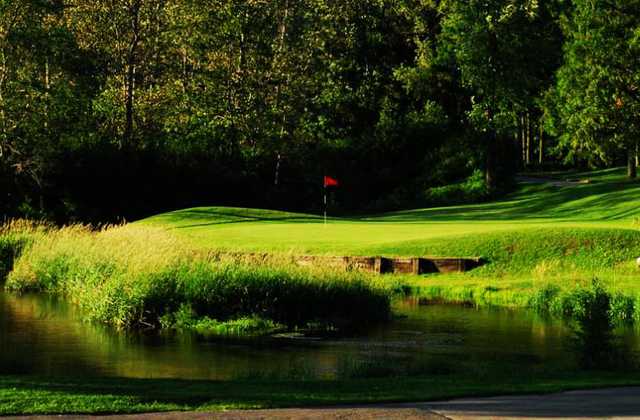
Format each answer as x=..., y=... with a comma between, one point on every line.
x=40, y=335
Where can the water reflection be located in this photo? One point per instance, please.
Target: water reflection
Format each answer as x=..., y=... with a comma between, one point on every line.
x=39, y=335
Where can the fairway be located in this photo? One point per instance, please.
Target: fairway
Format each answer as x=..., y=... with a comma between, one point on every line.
x=608, y=202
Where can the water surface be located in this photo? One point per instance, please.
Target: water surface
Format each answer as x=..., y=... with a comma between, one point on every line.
x=40, y=335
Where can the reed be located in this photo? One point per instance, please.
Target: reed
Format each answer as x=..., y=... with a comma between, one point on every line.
x=134, y=276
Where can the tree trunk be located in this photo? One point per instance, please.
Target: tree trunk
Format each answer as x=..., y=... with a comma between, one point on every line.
x=281, y=47
x=520, y=140
x=491, y=162
x=541, y=145
x=631, y=163
x=128, y=130
x=134, y=13
x=490, y=168
x=3, y=122
x=523, y=141
x=528, y=137
x=276, y=180
x=47, y=87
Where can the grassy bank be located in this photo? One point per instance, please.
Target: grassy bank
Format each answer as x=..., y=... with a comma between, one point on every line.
x=140, y=277
x=543, y=241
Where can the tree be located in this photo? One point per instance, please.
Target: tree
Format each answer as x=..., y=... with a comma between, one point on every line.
x=598, y=87
x=125, y=37
x=500, y=48
x=40, y=97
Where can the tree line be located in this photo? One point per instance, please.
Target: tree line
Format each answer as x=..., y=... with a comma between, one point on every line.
x=122, y=108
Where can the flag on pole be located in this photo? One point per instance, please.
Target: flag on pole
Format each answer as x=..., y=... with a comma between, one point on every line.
x=330, y=182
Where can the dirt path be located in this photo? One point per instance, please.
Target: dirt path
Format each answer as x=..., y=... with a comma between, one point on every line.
x=613, y=403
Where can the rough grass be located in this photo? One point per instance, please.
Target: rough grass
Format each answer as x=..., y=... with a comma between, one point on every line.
x=15, y=235
x=133, y=277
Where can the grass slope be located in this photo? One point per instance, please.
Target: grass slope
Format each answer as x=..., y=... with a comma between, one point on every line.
x=537, y=235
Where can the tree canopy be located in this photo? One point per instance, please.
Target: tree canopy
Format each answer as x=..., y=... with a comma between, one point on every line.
x=120, y=108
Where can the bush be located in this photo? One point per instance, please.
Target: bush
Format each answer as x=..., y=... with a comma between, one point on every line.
x=471, y=190
x=593, y=313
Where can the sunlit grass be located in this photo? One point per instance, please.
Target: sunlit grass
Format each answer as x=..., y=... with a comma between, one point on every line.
x=609, y=202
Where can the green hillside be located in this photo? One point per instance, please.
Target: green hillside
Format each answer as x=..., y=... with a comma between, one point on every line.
x=609, y=202
x=544, y=232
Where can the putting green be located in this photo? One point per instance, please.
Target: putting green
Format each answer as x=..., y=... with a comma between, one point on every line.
x=608, y=202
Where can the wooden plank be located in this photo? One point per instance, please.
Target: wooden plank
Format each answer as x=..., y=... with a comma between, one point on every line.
x=403, y=265
x=379, y=265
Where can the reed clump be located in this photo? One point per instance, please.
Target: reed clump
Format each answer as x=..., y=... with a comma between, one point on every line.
x=15, y=235
x=141, y=277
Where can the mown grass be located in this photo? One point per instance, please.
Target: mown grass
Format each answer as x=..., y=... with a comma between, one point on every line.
x=609, y=202
x=141, y=277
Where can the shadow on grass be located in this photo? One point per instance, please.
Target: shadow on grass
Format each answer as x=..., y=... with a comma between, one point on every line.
x=201, y=217
x=590, y=202
x=610, y=198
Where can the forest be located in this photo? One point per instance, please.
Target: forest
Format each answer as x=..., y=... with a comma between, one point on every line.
x=118, y=109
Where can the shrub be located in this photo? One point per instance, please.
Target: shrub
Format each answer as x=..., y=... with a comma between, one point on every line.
x=471, y=190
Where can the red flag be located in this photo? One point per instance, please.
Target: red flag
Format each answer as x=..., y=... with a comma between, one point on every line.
x=330, y=182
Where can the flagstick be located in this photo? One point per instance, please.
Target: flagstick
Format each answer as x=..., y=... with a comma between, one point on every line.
x=325, y=205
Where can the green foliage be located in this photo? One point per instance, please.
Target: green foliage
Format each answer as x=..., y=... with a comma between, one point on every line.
x=505, y=53
x=186, y=319
x=472, y=190
x=250, y=103
x=595, y=102
x=594, y=322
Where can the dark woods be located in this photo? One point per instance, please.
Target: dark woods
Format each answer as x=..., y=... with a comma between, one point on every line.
x=121, y=109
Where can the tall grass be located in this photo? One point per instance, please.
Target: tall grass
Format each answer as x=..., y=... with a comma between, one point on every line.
x=131, y=277
x=560, y=298
x=15, y=235
x=570, y=302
